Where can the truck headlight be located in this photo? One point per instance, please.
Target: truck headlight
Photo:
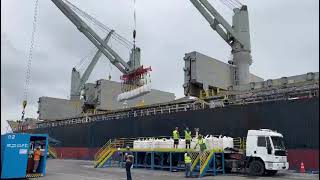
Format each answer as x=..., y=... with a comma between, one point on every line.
x=270, y=165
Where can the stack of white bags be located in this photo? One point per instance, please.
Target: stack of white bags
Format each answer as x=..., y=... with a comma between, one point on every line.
x=217, y=143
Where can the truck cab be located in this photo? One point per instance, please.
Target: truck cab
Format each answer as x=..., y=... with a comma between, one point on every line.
x=265, y=152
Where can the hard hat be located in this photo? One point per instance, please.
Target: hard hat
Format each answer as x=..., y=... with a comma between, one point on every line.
x=187, y=129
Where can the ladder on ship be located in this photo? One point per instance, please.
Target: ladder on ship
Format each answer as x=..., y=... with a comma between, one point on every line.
x=106, y=152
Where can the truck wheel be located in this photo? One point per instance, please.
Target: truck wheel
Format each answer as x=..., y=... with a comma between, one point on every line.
x=256, y=168
x=271, y=172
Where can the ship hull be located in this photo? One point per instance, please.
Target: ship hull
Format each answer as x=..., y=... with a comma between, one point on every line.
x=297, y=120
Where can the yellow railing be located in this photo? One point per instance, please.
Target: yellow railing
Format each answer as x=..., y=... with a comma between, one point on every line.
x=204, y=159
x=194, y=159
x=102, y=150
x=213, y=92
x=105, y=157
x=243, y=143
x=107, y=151
x=52, y=151
x=239, y=143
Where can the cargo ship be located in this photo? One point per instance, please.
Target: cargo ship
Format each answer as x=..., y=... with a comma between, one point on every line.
x=221, y=99
x=293, y=112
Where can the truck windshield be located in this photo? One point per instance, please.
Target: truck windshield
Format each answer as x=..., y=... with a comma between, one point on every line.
x=278, y=142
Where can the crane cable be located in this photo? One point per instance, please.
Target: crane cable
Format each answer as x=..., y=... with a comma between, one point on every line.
x=134, y=23
x=100, y=25
x=28, y=71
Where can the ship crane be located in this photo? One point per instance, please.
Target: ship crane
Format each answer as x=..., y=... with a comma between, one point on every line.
x=78, y=81
x=237, y=36
x=132, y=71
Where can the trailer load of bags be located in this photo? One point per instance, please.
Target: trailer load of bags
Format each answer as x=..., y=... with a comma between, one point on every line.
x=211, y=142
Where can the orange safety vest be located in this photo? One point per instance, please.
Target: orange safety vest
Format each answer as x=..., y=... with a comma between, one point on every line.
x=37, y=154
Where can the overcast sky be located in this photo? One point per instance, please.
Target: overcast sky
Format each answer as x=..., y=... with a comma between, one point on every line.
x=284, y=41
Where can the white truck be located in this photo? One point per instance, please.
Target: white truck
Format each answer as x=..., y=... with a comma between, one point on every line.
x=264, y=153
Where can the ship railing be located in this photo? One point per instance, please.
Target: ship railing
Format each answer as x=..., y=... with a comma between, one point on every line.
x=129, y=113
x=309, y=93
x=252, y=97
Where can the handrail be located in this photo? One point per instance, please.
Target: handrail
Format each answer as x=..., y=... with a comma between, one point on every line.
x=100, y=151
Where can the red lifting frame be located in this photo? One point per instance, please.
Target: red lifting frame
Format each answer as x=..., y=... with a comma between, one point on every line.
x=135, y=74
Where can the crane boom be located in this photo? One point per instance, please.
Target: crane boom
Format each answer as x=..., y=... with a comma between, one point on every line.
x=76, y=81
x=94, y=61
x=114, y=58
x=207, y=10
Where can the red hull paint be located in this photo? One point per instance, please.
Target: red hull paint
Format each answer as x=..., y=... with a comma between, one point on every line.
x=310, y=157
x=76, y=153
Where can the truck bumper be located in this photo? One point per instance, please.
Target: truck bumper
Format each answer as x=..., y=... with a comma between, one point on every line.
x=277, y=165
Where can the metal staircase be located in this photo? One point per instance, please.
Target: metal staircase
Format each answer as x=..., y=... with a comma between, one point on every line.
x=205, y=159
x=52, y=152
x=104, y=153
x=206, y=162
x=195, y=156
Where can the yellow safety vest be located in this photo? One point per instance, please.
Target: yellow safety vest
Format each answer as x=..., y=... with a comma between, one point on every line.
x=187, y=135
x=200, y=141
x=187, y=159
x=175, y=134
x=202, y=144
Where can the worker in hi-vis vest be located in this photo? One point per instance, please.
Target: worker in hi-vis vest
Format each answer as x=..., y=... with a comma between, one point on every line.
x=187, y=161
x=36, y=159
x=201, y=143
x=187, y=137
x=176, y=137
